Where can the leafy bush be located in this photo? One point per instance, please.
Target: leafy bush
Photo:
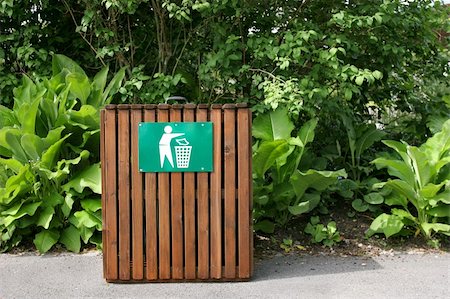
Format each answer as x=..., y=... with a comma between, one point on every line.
x=421, y=191
x=281, y=189
x=49, y=158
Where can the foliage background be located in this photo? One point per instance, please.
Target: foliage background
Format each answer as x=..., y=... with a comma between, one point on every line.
x=360, y=71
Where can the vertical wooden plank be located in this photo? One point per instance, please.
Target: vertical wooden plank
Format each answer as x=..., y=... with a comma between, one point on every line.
x=189, y=209
x=216, y=194
x=164, y=209
x=244, y=181
x=103, y=172
x=110, y=182
x=137, y=198
x=124, y=191
x=249, y=112
x=230, y=190
x=203, y=210
x=176, y=209
x=151, y=225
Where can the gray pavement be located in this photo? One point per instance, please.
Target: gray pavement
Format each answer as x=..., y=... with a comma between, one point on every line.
x=387, y=276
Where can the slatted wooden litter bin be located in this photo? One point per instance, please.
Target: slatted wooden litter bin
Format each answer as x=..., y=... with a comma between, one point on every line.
x=177, y=226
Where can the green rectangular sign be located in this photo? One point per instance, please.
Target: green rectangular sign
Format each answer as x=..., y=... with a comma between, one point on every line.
x=175, y=147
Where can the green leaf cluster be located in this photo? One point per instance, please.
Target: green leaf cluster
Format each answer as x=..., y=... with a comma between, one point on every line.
x=420, y=188
x=328, y=234
x=281, y=188
x=50, y=155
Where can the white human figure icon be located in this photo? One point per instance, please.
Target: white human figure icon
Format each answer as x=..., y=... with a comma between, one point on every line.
x=164, y=145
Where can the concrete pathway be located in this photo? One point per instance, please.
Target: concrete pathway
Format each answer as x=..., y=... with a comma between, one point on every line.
x=388, y=276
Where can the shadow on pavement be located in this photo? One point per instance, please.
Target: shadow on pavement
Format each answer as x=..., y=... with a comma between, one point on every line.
x=301, y=266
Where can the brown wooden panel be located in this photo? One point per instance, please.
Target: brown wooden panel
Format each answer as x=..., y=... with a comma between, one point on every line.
x=216, y=195
x=244, y=182
x=249, y=112
x=137, y=199
x=124, y=192
x=103, y=167
x=151, y=225
x=176, y=210
x=203, y=213
x=110, y=181
x=189, y=211
x=230, y=192
x=164, y=210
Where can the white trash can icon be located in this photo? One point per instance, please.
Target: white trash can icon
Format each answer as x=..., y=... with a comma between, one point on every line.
x=183, y=153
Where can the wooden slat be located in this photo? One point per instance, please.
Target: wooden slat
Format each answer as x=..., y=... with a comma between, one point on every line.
x=250, y=166
x=110, y=181
x=203, y=213
x=244, y=182
x=103, y=168
x=124, y=193
x=137, y=200
x=164, y=211
x=189, y=211
x=216, y=195
x=151, y=225
x=230, y=192
x=176, y=210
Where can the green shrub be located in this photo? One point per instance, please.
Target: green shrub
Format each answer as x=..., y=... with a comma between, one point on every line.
x=421, y=191
x=49, y=157
x=281, y=188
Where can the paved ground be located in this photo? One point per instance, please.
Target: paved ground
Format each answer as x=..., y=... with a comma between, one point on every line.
x=388, y=276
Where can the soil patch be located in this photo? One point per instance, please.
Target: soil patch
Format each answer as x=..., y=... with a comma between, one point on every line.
x=353, y=241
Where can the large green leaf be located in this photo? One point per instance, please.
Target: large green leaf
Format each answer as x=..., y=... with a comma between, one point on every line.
x=17, y=185
x=7, y=118
x=53, y=136
x=70, y=237
x=400, y=148
x=88, y=219
x=318, y=180
x=45, y=217
x=430, y=190
x=113, y=86
x=79, y=86
x=396, y=168
x=440, y=211
x=46, y=239
x=12, y=137
x=308, y=203
x=266, y=155
x=422, y=170
x=404, y=189
x=370, y=136
x=51, y=155
x=89, y=177
x=27, y=116
x=86, y=118
x=33, y=146
x=60, y=62
x=306, y=133
x=91, y=204
x=97, y=87
x=28, y=209
x=387, y=224
x=273, y=126
x=12, y=164
x=437, y=145
x=437, y=227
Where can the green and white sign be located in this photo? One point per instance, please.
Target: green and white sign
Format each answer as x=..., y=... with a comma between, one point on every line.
x=176, y=147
